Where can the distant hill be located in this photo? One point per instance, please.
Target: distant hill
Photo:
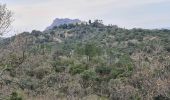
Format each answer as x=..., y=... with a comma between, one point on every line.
x=167, y=28
x=1, y=39
x=58, y=22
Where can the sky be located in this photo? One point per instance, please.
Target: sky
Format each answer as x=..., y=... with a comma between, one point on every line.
x=38, y=14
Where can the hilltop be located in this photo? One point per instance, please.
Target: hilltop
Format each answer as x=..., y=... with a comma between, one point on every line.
x=62, y=21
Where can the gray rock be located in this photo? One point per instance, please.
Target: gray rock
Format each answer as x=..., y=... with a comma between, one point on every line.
x=58, y=22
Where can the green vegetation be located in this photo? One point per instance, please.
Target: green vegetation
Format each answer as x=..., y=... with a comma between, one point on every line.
x=14, y=96
x=88, y=60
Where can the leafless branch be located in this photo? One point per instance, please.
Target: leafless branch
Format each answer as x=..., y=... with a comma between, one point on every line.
x=5, y=19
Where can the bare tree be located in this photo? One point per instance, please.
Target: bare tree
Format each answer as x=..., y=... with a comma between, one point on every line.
x=5, y=19
x=5, y=22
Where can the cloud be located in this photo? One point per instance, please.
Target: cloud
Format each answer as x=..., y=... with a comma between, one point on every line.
x=38, y=14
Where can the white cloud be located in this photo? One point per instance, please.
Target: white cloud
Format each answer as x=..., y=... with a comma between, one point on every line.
x=38, y=14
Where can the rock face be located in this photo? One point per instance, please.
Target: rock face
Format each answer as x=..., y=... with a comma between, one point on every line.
x=58, y=22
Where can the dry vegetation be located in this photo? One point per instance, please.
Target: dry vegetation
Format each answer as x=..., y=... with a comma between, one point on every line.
x=95, y=62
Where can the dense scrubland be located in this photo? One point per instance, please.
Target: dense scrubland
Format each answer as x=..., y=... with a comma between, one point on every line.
x=87, y=61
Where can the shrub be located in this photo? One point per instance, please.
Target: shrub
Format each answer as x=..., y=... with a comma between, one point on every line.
x=15, y=96
x=52, y=80
x=77, y=69
x=62, y=62
x=103, y=70
x=29, y=84
x=59, y=68
x=160, y=97
x=60, y=65
x=41, y=72
x=119, y=71
x=167, y=48
x=116, y=72
x=131, y=44
x=88, y=75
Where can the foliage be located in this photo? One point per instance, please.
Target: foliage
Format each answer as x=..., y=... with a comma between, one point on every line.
x=75, y=61
x=88, y=75
x=15, y=96
x=103, y=70
x=77, y=69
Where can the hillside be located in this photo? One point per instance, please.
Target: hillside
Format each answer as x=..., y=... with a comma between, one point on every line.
x=88, y=61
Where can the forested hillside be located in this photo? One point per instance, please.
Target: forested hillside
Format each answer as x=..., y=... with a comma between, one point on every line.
x=88, y=61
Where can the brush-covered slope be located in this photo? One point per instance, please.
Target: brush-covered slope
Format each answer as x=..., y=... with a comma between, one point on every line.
x=86, y=62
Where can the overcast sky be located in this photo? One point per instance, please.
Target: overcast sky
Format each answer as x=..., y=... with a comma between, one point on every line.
x=38, y=14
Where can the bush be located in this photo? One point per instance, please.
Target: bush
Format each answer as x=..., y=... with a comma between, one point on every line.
x=29, y=84
x=77, y=69
x=52, y=80
x=15, y=96
x=116, y=72
x=167, y=48
x=41, y=72
x=121, y=71
x=131, y=44
x=60, y=65
x=62, y=62
x=161, y=97
x=103, y=70
x=59, y=68
x=88, y=75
